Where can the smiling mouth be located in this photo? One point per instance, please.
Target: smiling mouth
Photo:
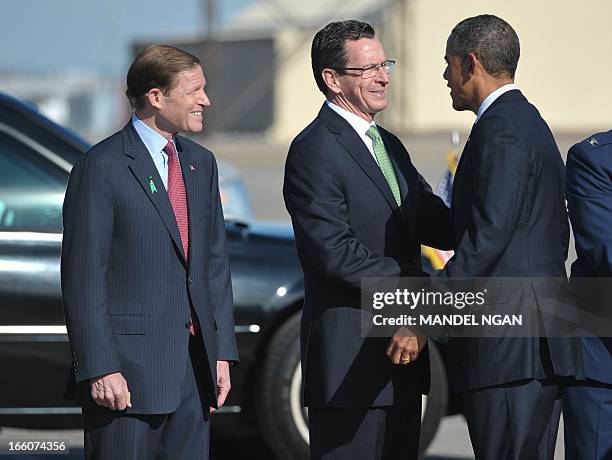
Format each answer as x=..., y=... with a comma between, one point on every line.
x=197, y=114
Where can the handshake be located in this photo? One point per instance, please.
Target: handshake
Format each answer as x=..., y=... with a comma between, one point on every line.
x=405, y=347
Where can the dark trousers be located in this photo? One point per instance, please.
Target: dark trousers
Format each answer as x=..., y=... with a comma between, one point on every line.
x=587, y=418
x=383, y=433
x=517, y=421
x=181, y=435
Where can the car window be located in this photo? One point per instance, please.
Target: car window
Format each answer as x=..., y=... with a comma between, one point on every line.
x=31, y=189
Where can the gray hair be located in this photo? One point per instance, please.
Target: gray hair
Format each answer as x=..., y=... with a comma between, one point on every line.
x=492, y=40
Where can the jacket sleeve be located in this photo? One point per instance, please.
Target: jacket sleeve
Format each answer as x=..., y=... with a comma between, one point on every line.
x=589, y=199
x=315, y=199
x=435, y=219
x=501, y=168
x=88, y=229
x=220, y=283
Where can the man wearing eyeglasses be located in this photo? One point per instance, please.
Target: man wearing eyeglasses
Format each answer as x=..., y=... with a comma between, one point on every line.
x=359, y=209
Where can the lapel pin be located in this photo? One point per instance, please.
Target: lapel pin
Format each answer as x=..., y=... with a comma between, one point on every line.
x=152, y=185
x=192, y=167
x=593, y=141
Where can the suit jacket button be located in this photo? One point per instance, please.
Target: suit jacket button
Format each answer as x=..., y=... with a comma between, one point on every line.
x=188, y=324
x=190, y=280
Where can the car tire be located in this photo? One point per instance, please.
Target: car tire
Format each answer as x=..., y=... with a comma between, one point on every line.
x=282, y=420
x=436, y=402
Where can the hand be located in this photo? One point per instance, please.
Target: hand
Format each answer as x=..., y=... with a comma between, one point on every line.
x=110, y=391
x=223, y=383
x=405, y=347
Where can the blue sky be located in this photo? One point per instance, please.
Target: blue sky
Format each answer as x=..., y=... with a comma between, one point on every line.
x=49, y=36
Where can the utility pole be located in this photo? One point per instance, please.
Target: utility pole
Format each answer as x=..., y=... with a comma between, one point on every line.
x=210, y=8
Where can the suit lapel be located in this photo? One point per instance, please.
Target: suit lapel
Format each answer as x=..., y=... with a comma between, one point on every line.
x=189, y=178
x=402, y=166
x=463, y=155
x=355, y=147
x=143, y=168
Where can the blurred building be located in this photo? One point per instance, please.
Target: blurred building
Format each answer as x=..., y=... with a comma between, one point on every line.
x=87, y=103
x=260, y=80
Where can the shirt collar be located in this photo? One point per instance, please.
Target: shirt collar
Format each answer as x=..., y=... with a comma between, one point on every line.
x=153, y=141
x=490, y=99
x=358, y=123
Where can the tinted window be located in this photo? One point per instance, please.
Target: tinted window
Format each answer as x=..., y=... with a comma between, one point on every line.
x=31, y=189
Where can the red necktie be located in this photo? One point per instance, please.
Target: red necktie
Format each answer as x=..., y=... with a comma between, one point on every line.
x=178, y=200
x=178, y=195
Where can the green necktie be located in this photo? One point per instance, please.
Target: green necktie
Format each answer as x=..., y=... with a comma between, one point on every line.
x=384, y=162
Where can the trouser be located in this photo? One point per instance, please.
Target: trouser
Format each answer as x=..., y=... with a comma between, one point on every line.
x=382, y=433
x=516, y=421
x=587, y=418
x=181, y=435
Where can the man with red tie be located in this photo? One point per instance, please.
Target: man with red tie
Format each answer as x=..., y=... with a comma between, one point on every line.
x=145, y=273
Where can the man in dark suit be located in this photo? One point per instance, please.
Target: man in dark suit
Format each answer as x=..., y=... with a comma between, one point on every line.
x=587, y=403
x=359, y=209
x=509, y=220
x=145, y=273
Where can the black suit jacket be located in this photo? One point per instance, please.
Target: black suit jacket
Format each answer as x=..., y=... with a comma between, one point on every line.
x=126, y=284
x=589, y=200
x=348, y=226
x=510, y=220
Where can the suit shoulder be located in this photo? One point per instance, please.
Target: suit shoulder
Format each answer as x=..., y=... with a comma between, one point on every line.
x=388, y=134
x=104, y=151
x=390, y=137
x=597, y=144
x=314, y=130
x=514, y=109
x=312, y=139
x=195, y=147
x=495, y=121
x=315, y=148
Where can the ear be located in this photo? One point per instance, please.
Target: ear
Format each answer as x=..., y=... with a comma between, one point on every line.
x=155, y=97
x=330, y=77
x=469, y=64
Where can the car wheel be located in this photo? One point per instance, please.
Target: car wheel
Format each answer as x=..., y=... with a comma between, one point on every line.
x=282, y=419
x=434, y=404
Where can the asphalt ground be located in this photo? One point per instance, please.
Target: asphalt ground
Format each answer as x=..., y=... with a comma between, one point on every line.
x=451, y=443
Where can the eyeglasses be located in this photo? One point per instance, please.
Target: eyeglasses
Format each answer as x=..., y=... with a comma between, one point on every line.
x=370, y=72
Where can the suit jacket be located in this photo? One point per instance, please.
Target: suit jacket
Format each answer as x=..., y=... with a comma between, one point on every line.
x=589, y=199
x=127, y=286
x=510, y=220
x=348, y=226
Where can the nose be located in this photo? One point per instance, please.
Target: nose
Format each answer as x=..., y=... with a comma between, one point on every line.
x=382, y=75
x=203, y=99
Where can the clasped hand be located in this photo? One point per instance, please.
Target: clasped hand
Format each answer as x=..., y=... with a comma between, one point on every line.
x=405, y=347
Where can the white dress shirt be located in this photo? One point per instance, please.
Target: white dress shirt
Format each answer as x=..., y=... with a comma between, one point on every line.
x=359, y=125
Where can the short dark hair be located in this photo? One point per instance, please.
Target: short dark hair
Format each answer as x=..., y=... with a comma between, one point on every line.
x=492, y=40
x=156, y=67
x=328, y=50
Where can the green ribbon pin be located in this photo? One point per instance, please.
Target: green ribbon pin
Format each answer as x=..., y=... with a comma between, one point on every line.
x=152, y=185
